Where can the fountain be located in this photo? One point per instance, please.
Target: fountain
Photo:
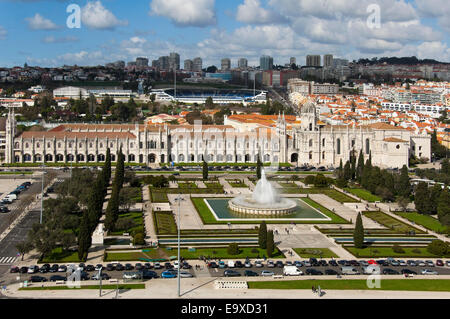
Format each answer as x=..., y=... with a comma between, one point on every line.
x=264, y=201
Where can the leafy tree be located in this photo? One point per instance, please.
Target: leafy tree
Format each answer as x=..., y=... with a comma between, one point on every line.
x=360, y=167
x=24, y=247
x=358, y=234
x=438, y=248
x=139, y=239
x=422, y=199
x=68, y=240
x=270, y=244
x=443, y=207
x=262, y=235
x=209, y=104
x=404, y=185
x=309, y=180
x=320, y=181
x=403, y=203
x=125, y=224
x=435, y=194
x=84, y=238
x=128, y=196
x=347, y=171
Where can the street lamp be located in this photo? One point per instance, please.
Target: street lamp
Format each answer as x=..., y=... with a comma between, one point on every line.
x=179, y=199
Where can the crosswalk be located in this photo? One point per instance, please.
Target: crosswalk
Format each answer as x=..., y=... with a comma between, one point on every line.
x=7, y=260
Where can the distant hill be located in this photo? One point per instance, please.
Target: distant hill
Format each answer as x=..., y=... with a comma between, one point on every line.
x=395, y=60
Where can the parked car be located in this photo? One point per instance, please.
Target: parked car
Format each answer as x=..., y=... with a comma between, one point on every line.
x=267, y=273
x=14, y=269
x=222, y=264
x=120, y=267
x=38, y=279
x=186, y=265
x=212, y=264
x=292, y=271
x=33, y=269
x=333, y=263
x=4, y=209
x=98, y=267
x=149, y=274
x=248, y=264
x=104, y=276
x=313, y=272
x=110, y=267
x=279, y=264
x=231, y=273
x=129, y=267
x=288, y=263
x=259, y=264
x=402, y=263
x=90, y=268
x=238, y=264
x=420, y=263
x=439, y=263
x=250, y=273
x=148, y=266
x=186, y=274
x=270, y=264
x=57, y=278
x=407, y=271
x=323, y=263
x=389, y=271
x=411, y=263
x=331, y=272
x=62, y=268
x=429, y=272
x=54, y=268
x=429, y=263
x=157, y=265
x=23, y=270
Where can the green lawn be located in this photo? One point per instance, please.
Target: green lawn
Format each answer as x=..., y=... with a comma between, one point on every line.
x=96, y=287
x=158, y=196
x=15, y=173
x=425, y=221
x=138, y=219
x=60, y=256
x=364, y=194
x=315, y=253
x=378, y=251
x=164, y=223
x=332, y=193
x=392, y=223
x=348, y=284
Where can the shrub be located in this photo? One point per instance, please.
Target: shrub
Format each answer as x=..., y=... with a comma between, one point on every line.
x=416, y=251
x=309, y=180
x=397, y=249
x=124, y=223
x=438, y=248
x=255, y=251
x=233, y=249
x=139, y=239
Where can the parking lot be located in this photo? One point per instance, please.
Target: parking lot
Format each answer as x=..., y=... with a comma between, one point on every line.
x=219, y=272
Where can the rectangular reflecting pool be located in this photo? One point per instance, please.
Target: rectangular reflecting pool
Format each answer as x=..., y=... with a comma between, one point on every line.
x=220, y=210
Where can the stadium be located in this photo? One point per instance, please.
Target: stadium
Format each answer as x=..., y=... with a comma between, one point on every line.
x=219, y=96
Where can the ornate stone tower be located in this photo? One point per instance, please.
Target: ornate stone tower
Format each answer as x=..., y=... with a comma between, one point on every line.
x=309, y=116
x=282, y=137
x=10, y=134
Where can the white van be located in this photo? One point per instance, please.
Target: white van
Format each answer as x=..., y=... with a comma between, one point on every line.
x=11, y=197
x=292, y=271
x=231, y=264
x=349, y=270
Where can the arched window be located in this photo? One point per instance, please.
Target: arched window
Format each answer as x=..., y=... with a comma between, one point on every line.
x=59, y=145
x=16, y=145
x=27, y=158
x=101, y=145
x=181, y=158
x=219, y=158
x=49, y=145
x=323, y=155
x=38, y=145
x=229, y=158
x=267, y=158
x=210, y=158
x=338, y=146
x=310, y=143
x=239, y=158
x=90, y=145
x=79, y=145
x=323, y=142
x=27, y=145
x=310, y=155
x=131, y=145
x=310, y=126
x=367, y=146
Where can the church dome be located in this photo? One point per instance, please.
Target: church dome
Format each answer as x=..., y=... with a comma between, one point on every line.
x=308, y=107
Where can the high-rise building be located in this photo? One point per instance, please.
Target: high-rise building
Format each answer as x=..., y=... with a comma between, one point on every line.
x=141, y=62
x=292, y=60
x=174, y=61
x=313, y=60
x=198, y=65
x=327, y=60
x=188, y=65
x=242, y=63
x=225, y=64
x=163, y=63
x=266, y=62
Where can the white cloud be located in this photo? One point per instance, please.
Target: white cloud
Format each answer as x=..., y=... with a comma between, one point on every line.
x=197, y=13
x=433, y=50
x=439, y=9
x=96, y=16
x=3, y=33
x=53, y=39
x=252, y=12
x=38, y=22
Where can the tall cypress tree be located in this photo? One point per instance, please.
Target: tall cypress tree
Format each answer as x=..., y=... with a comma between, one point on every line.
x=258, y=168
x=112, y=210
x=443, y=207
x=84, y=237
x=107, y=167
x=404, y=186
x=435, y=194
x=358, y=234
x=270, y=244
x=262, y=236
x=347, y=171
x=360, y=167
x=120, y=170
x=353, y=165
x=205, y=170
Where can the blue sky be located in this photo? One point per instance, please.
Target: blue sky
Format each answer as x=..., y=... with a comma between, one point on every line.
x=35, y=31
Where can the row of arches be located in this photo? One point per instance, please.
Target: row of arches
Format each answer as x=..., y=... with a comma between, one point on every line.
x=339, y=146
x=220, y=158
